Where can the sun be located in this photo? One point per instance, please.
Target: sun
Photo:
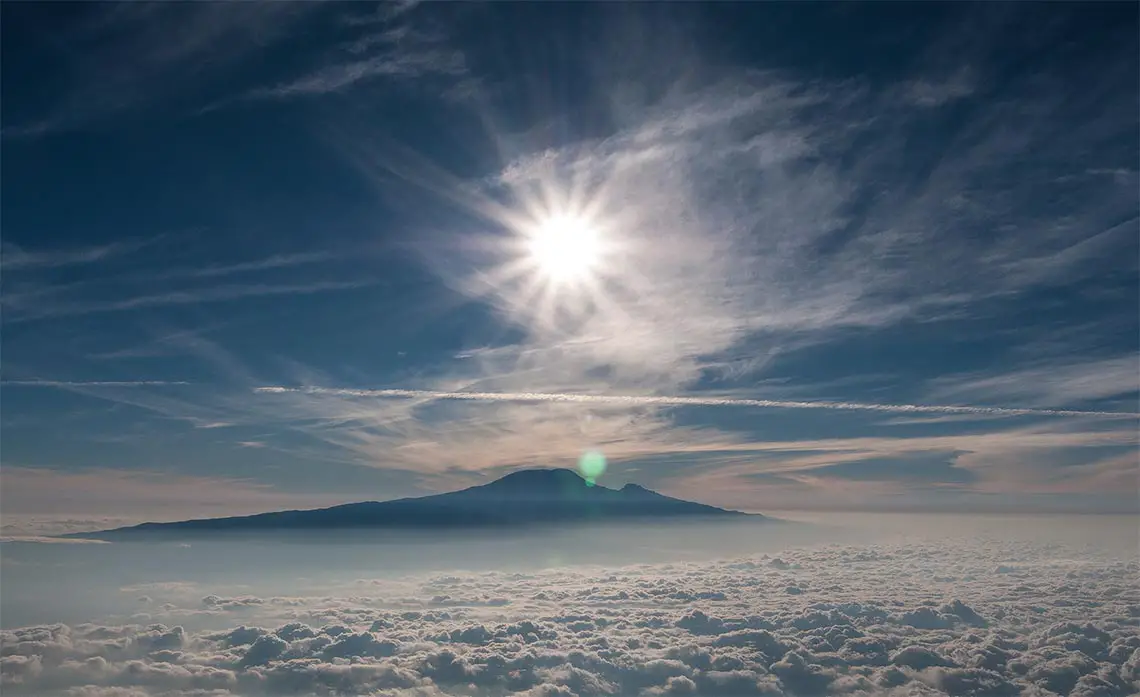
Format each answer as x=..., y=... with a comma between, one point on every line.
x=565, y=248
x=559, y=257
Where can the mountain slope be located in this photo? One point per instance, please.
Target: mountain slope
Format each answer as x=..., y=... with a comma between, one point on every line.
x=529, y=497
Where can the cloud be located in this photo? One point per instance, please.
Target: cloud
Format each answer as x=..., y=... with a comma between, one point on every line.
x=337, y=78
x=124, y=58
x=393, y=43
x=493, y=431
x=1053, y=383
x=489, y=434
x=635, y=400
x=211, y=294
x=750, y=216
x=13, y=257
x=36, y=293
x=93, y=383
x=275, y=261
x=1091, y=453
x=1047, y=466
x=936, y=93
x=933, y=467
x=119, y=68
x=384, y=13
x=1060, y=624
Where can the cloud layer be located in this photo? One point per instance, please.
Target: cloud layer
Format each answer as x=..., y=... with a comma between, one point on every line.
x=969, y=617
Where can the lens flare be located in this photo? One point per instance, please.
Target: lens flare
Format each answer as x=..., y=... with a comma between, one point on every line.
x=592, y=465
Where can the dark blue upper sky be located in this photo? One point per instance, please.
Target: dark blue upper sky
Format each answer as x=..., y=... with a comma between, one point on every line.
x=909, y=230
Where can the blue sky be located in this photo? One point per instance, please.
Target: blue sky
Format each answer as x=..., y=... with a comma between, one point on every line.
x=876, y=256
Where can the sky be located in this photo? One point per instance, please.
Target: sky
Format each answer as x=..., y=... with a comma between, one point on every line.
x=823, y=256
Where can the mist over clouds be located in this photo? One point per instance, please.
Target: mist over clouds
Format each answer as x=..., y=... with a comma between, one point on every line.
x=1014, y=607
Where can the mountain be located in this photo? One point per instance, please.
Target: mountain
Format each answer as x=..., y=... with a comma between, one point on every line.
x=529, y=497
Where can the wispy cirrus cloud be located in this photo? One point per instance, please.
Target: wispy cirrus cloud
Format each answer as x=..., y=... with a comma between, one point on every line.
x=393, y=43
x=1092, y=468
x=126, y=57
x=204, y=295
x=126, y=276
x=935, y=93
x=16, y=258
x=273, y=261
x=342, y=76
x=93, y=383
x=384, y=13
x=211, y=294
x=686, y=401
x=1050, y=383
x=447, y=441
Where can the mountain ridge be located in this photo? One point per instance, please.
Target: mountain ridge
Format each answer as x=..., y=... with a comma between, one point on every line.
x=532, y=497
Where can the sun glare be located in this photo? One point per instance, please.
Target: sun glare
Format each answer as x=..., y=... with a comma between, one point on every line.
x=565, y=248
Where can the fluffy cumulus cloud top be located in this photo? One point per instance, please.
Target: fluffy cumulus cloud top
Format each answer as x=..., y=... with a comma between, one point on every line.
x=909, y=618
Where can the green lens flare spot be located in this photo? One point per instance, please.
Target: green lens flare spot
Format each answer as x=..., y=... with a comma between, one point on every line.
x=592, y=465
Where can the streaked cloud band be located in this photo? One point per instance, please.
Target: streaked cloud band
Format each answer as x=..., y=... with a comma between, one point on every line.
x=670, y=401
x=93, y=383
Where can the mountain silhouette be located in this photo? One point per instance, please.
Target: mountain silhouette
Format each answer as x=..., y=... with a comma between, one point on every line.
x=525, y=498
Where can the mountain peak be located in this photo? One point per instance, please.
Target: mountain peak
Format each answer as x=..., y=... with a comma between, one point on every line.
x=543, y=478
x=526, y=497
